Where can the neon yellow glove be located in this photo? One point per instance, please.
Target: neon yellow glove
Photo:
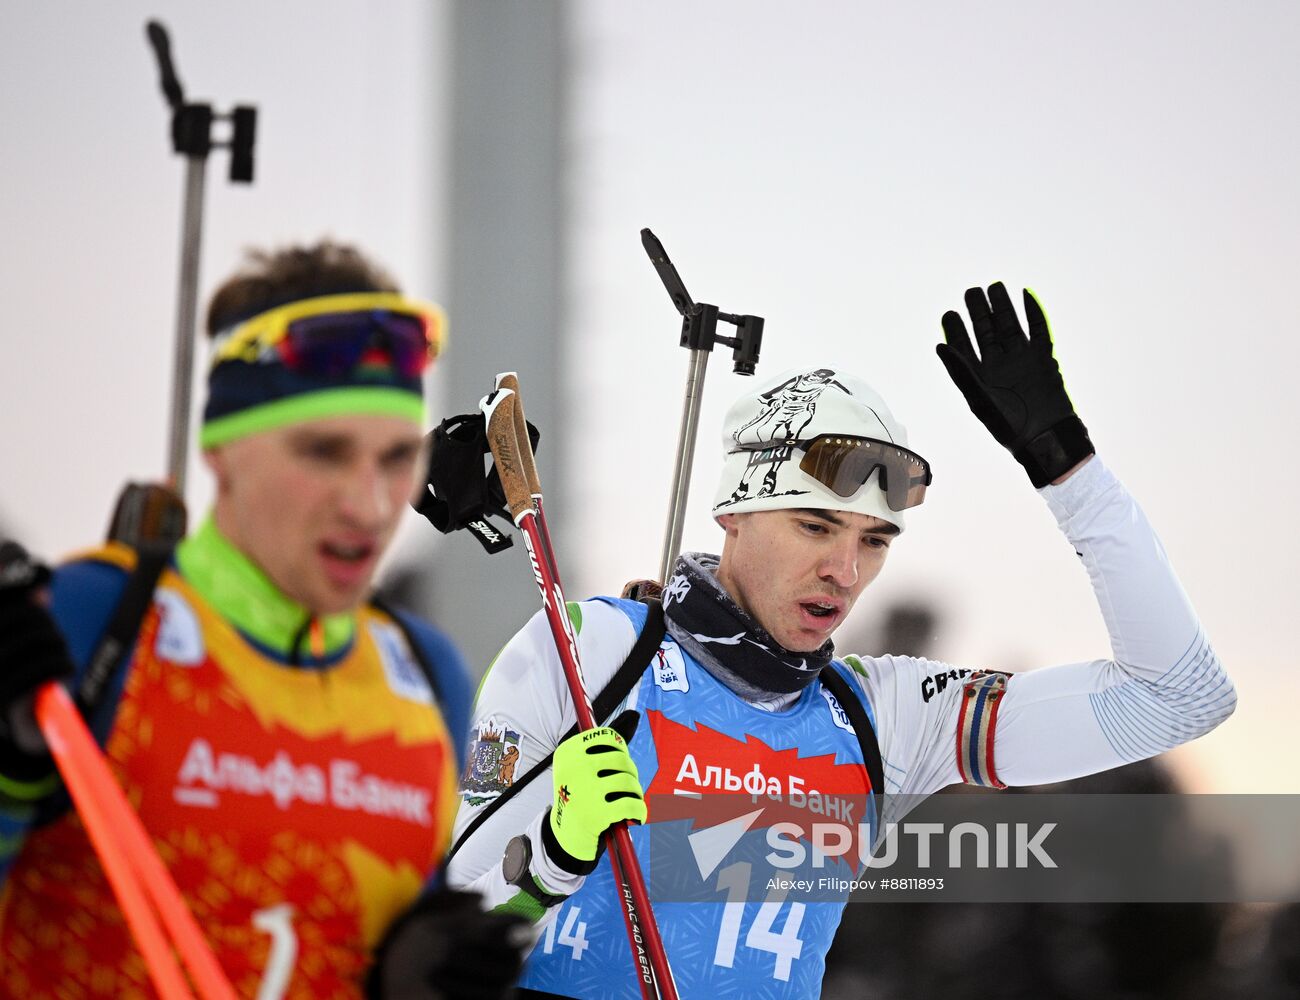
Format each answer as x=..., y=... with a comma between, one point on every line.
x=596, y=786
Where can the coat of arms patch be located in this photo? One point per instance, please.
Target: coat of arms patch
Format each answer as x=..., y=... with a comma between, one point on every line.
x=493, y=757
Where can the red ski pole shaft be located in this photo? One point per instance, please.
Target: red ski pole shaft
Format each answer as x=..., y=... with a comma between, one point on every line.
x=628, y=905
x=643, y=933
x=120, y=839
x=513, y=457
x=142, y=920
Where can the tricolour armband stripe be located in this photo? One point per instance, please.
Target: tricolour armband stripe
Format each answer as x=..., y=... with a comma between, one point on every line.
x=976, y=723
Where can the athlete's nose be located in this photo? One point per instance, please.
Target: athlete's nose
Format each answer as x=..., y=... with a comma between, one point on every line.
x=365, y=499
x=840, y=563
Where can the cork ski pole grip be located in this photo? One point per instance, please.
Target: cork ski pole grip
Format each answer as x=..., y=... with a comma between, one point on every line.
x=499, y=410
x=510, y=380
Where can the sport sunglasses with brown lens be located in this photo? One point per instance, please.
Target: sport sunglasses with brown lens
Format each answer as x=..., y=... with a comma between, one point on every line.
x=844, y=464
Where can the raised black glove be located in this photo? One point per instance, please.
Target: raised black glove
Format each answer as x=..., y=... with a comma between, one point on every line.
x=1014, y=386
x=32, y=652
x=445, y=947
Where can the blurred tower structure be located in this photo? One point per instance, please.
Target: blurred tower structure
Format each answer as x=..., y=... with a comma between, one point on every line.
x=506, y=262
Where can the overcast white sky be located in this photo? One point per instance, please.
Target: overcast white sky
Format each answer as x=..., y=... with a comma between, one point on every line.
x=844, y=169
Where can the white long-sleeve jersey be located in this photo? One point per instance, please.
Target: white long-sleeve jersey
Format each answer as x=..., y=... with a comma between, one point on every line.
x=1162, y=686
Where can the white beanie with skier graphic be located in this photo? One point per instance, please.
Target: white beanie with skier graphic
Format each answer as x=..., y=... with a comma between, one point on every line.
x=760, y=469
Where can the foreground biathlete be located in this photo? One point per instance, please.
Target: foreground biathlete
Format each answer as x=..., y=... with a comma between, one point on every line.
x=816, y=478
x=290, y=745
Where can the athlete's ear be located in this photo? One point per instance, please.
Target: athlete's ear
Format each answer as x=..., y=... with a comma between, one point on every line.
x=215, y=460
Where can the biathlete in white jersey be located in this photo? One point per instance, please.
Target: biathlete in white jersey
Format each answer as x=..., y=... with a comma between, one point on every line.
x=738, y=691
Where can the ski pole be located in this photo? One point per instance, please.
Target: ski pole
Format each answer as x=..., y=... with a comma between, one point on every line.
x=510, y=381
x=135, y=872
x=143, y=922
x=699, y=334
x=517, y=469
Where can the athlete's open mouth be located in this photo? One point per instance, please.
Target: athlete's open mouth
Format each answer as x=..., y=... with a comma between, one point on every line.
x=348, y=553
x=819, y=610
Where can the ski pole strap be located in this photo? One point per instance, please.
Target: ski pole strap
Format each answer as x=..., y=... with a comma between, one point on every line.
x=457, y=494
x=114, y=647
x=618, y=688
x=866, y=733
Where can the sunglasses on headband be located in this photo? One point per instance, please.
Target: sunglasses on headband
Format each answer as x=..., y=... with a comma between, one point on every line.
x=334, y=334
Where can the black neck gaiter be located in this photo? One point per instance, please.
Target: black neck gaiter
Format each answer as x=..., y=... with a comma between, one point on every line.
x=733, y=647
